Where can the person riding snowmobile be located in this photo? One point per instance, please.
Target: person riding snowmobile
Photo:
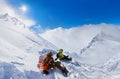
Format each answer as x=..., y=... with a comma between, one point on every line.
x=48, y=63
x=61, y=56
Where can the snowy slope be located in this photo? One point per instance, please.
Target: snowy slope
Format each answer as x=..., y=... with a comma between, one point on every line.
x=12, y=26
x=73, y=39
x=76, y=38
x=19, y=49
x=109, y=70
x=99, y=55
x=90, y=41
x=101, y=48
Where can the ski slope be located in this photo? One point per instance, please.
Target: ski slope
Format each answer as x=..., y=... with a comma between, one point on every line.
x=20, y=49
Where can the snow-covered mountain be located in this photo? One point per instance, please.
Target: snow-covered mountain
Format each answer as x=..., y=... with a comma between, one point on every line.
x=20, y=49
x=76, y=38
x=99, y=52
x=101, y=48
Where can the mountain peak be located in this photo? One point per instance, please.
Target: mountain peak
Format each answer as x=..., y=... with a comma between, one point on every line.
x=101, y=36
x=4, y=15
x=7, y=18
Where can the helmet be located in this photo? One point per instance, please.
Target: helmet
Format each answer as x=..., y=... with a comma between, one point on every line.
x=49, y=54
x=61, y=50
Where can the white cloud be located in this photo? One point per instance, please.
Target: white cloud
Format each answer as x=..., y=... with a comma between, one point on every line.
x=76, y=38
x=38, y=29
x=6, y=8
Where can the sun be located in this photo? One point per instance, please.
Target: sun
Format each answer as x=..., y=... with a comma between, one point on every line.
x=23, y=8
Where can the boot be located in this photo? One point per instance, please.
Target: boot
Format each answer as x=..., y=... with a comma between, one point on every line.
x=64, y=71
x=70, y=59
x=45, y=72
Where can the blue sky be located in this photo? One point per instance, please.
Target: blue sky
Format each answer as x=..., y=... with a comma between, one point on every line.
x=70, y=13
